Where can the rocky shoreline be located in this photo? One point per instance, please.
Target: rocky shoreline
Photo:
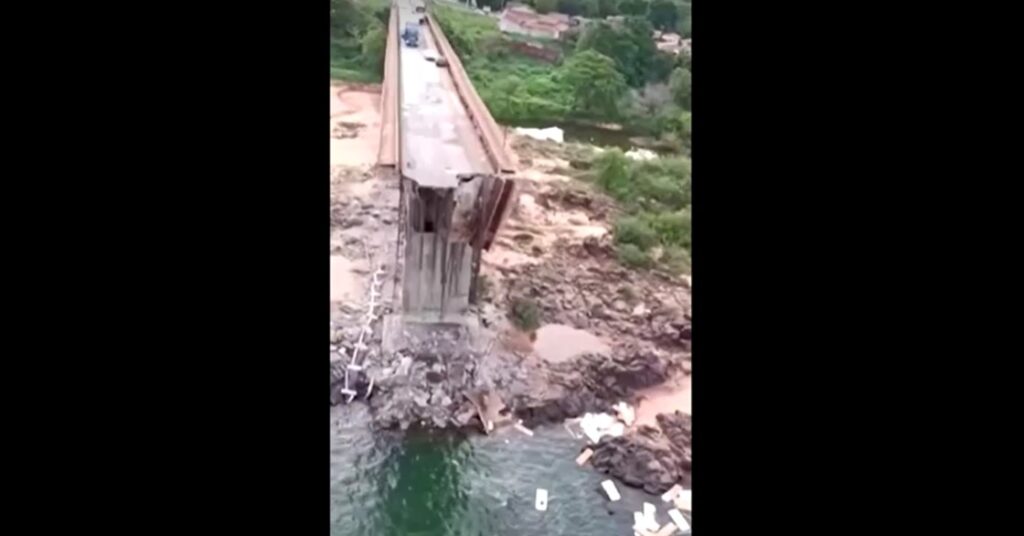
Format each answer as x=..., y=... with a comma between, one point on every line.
x=550, y=254
x=649, y=458
x=441, y=384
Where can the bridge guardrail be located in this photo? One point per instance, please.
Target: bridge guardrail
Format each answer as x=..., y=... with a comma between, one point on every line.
x=487, y=127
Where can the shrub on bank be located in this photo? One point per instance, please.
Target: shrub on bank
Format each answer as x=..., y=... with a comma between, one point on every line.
x=632, y=256
x=656, y=196
x=525, y=314
x=636, y=231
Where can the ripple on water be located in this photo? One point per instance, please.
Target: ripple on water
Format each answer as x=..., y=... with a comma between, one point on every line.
x=427, y=484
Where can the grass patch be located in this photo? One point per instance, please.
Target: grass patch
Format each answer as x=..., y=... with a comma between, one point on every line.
x=656, y=197
x=524, y=314
x=632, y=256
x=358, y=40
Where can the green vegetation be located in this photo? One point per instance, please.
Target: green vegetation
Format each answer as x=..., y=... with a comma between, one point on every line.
x=484, y=287
x=525, y=314
x=609, y=71
x=656, y=197
x=358, y=39
x=632, y=256
x=630, y=45
x=668, y=15
x=595, y=85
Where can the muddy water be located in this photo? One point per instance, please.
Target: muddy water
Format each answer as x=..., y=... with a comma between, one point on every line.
x=556, y=342
x=389, y=484
x=361, y=109
x=665, y=398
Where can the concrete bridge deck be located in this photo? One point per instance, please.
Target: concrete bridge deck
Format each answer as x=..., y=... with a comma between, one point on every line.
x=438, y=139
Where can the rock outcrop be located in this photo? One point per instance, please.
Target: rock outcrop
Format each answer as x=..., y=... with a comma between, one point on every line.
x=432, y=386
x=649, y=458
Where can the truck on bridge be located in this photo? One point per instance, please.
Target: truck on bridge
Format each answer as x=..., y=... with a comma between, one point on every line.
x=411, y=35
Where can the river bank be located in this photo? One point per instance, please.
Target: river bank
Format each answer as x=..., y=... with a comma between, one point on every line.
x=605, y=333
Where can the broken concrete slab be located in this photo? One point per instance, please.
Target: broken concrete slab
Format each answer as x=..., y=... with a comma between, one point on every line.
x=609, y=488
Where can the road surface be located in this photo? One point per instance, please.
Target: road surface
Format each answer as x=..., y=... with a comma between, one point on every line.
x=438, y=138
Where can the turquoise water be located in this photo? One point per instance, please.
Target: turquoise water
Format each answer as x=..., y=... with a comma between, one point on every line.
x=427, y=484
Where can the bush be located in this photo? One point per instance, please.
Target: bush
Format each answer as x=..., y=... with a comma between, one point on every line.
x=676, y=259
x=635, y=231
x=613, y=173
x=374, y=45
x=664, y=182
x=672, y=228
x=656, y=194
x=525, y=314
x=483, y=288
x=632, y=256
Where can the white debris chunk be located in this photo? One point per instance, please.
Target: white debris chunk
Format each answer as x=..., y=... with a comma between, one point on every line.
x=626, y=413
x=684, y=500
x=679, y=520
x=641, y=154
x=639, y=523
x=541, y=502
x=649, y=511
x=554, y=134
x=642, y=524
x=519, y=426
x=597, y=425
x=672, y=493
x=609, y=488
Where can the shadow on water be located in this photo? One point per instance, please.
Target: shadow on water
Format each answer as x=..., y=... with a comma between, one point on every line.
x=423, y=494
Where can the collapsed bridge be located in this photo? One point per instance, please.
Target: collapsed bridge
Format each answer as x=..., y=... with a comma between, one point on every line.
x=454, y=170
x=455, y=186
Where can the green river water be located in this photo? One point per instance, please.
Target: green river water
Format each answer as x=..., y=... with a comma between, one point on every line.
x=427, y=484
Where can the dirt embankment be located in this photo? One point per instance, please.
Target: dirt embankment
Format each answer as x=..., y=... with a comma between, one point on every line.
x=364, y=211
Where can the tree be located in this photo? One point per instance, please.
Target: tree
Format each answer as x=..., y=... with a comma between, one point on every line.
x=640, y=33
x=683, y=25
x=615, y=44
x=570, y=7
x=590, y=8
x=663, y=14
x=346, y=19
x=595, y=83
x=661, y=66
x=680, y=85
x=546, y=6
x=607, y=8
x=633, y=7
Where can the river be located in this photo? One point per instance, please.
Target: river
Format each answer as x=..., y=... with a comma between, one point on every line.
x=441, y=484
x=594, y=135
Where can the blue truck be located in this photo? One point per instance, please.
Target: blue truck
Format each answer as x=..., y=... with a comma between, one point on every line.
x=411, y=35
